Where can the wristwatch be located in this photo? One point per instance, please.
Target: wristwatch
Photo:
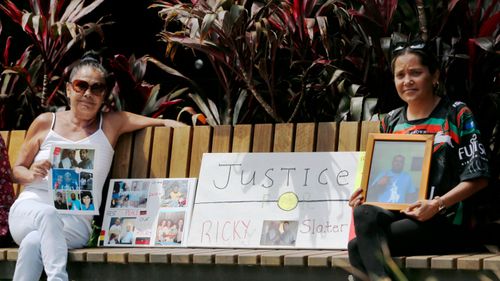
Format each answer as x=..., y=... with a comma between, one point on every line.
x=441, y=205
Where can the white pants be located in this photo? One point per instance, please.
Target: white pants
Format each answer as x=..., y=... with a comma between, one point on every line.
x=44, y=237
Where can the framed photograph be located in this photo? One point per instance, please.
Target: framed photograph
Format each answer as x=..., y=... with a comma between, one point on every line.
x=396, y=169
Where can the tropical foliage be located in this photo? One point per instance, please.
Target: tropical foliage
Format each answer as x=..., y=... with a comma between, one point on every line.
x=32, y=82
x=276, y=61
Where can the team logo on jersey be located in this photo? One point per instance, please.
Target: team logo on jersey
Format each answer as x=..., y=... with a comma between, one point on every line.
x=441, y=137
x=469, y=125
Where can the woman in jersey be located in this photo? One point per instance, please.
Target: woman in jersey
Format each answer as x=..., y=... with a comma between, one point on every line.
x=44, y=236
x=459, y=168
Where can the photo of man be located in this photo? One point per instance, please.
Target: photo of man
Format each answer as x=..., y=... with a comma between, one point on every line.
x=393, y=185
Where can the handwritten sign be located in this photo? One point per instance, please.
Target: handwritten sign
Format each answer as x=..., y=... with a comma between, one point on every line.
x=297, y=200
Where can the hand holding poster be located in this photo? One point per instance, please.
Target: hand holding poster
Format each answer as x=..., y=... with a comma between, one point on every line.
x=71, y=179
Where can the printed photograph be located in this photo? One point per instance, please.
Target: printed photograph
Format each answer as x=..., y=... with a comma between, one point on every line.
x=130, y=194
x=170, y=228
x=60, y=200
x=73, y=200
x=87, y=201
x=121, y=230
x=174, y=193
x=283, y=233
x=65, y=158
x=65, y=179
x=86, y=180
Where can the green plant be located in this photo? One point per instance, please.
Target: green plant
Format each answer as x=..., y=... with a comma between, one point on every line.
x=276, y=61
x=132, y=93
x=33, y=81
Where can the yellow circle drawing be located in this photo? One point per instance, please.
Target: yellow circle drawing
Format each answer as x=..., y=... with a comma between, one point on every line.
x=288, y=201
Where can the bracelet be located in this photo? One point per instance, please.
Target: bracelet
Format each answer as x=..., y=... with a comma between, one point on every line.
x=441, y=205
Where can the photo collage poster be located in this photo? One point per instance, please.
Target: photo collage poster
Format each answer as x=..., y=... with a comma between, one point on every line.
x=71, y=179
x=147, y=212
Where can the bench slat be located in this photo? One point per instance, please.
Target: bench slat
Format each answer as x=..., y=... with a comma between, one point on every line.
x=367, y=127
x=206, y=257
x=473, y=262
x=492, y=263
x=160, y=154
x=221, y=141
x=201, y=144
x=163, y=255
x=119, y=255
x=230, y=256
x=139, y=255
x=283, y=137
x=327, y=137
x=419, y=261
x=341, y=260
x=3, y=254
x=446, y=261
x=323, y=259
x=348, y=136
x=251, y=258
x=141, y=154
x=97, y=255
x=304, y=137
x=122, y=158
x=181, y=146
x=186, y=256
x=77, y=255
x=300, y=258
x=276, y=257
x=242, y=138
x=262, y=138
x=12, y=254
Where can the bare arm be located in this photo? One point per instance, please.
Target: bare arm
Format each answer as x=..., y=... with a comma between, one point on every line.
x=423, y=210
x=118, y=123
x=24, y=170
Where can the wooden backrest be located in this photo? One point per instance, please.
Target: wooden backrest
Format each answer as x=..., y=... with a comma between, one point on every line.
x=165, y=152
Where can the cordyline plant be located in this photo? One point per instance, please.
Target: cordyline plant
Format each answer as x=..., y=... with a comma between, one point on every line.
x=276, y=60
x=33, y=81
x=132, y=93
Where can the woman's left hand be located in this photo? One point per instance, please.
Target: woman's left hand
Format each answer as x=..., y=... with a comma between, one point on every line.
x=173, y=123
x=422, y=210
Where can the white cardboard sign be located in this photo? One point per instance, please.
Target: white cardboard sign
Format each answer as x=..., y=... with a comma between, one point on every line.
x=297, y=200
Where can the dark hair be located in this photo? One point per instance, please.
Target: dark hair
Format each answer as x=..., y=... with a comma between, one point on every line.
x=91, y=59
x=418, y=48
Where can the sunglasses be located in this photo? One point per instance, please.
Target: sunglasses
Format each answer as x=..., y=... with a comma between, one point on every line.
x=81, y=86
x=400, y=46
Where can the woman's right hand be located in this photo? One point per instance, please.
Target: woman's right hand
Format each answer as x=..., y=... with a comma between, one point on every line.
x=39, y=170
x=356, y=198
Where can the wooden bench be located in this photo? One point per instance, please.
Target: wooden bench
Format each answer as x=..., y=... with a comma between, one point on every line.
x=165, y=152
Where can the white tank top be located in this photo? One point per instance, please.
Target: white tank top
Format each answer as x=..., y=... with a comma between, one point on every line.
x=102, y=162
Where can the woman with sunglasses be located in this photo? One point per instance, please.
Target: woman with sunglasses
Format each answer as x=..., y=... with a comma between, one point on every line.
x=459, y=168
x=43, y=235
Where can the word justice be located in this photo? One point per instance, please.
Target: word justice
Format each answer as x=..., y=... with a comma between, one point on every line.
x=271, y=176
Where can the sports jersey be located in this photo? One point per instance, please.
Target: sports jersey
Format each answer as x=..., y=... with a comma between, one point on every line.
x=458, y=154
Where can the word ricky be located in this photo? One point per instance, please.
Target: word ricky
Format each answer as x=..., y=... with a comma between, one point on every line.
x=213, y=231
x=234, y=174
